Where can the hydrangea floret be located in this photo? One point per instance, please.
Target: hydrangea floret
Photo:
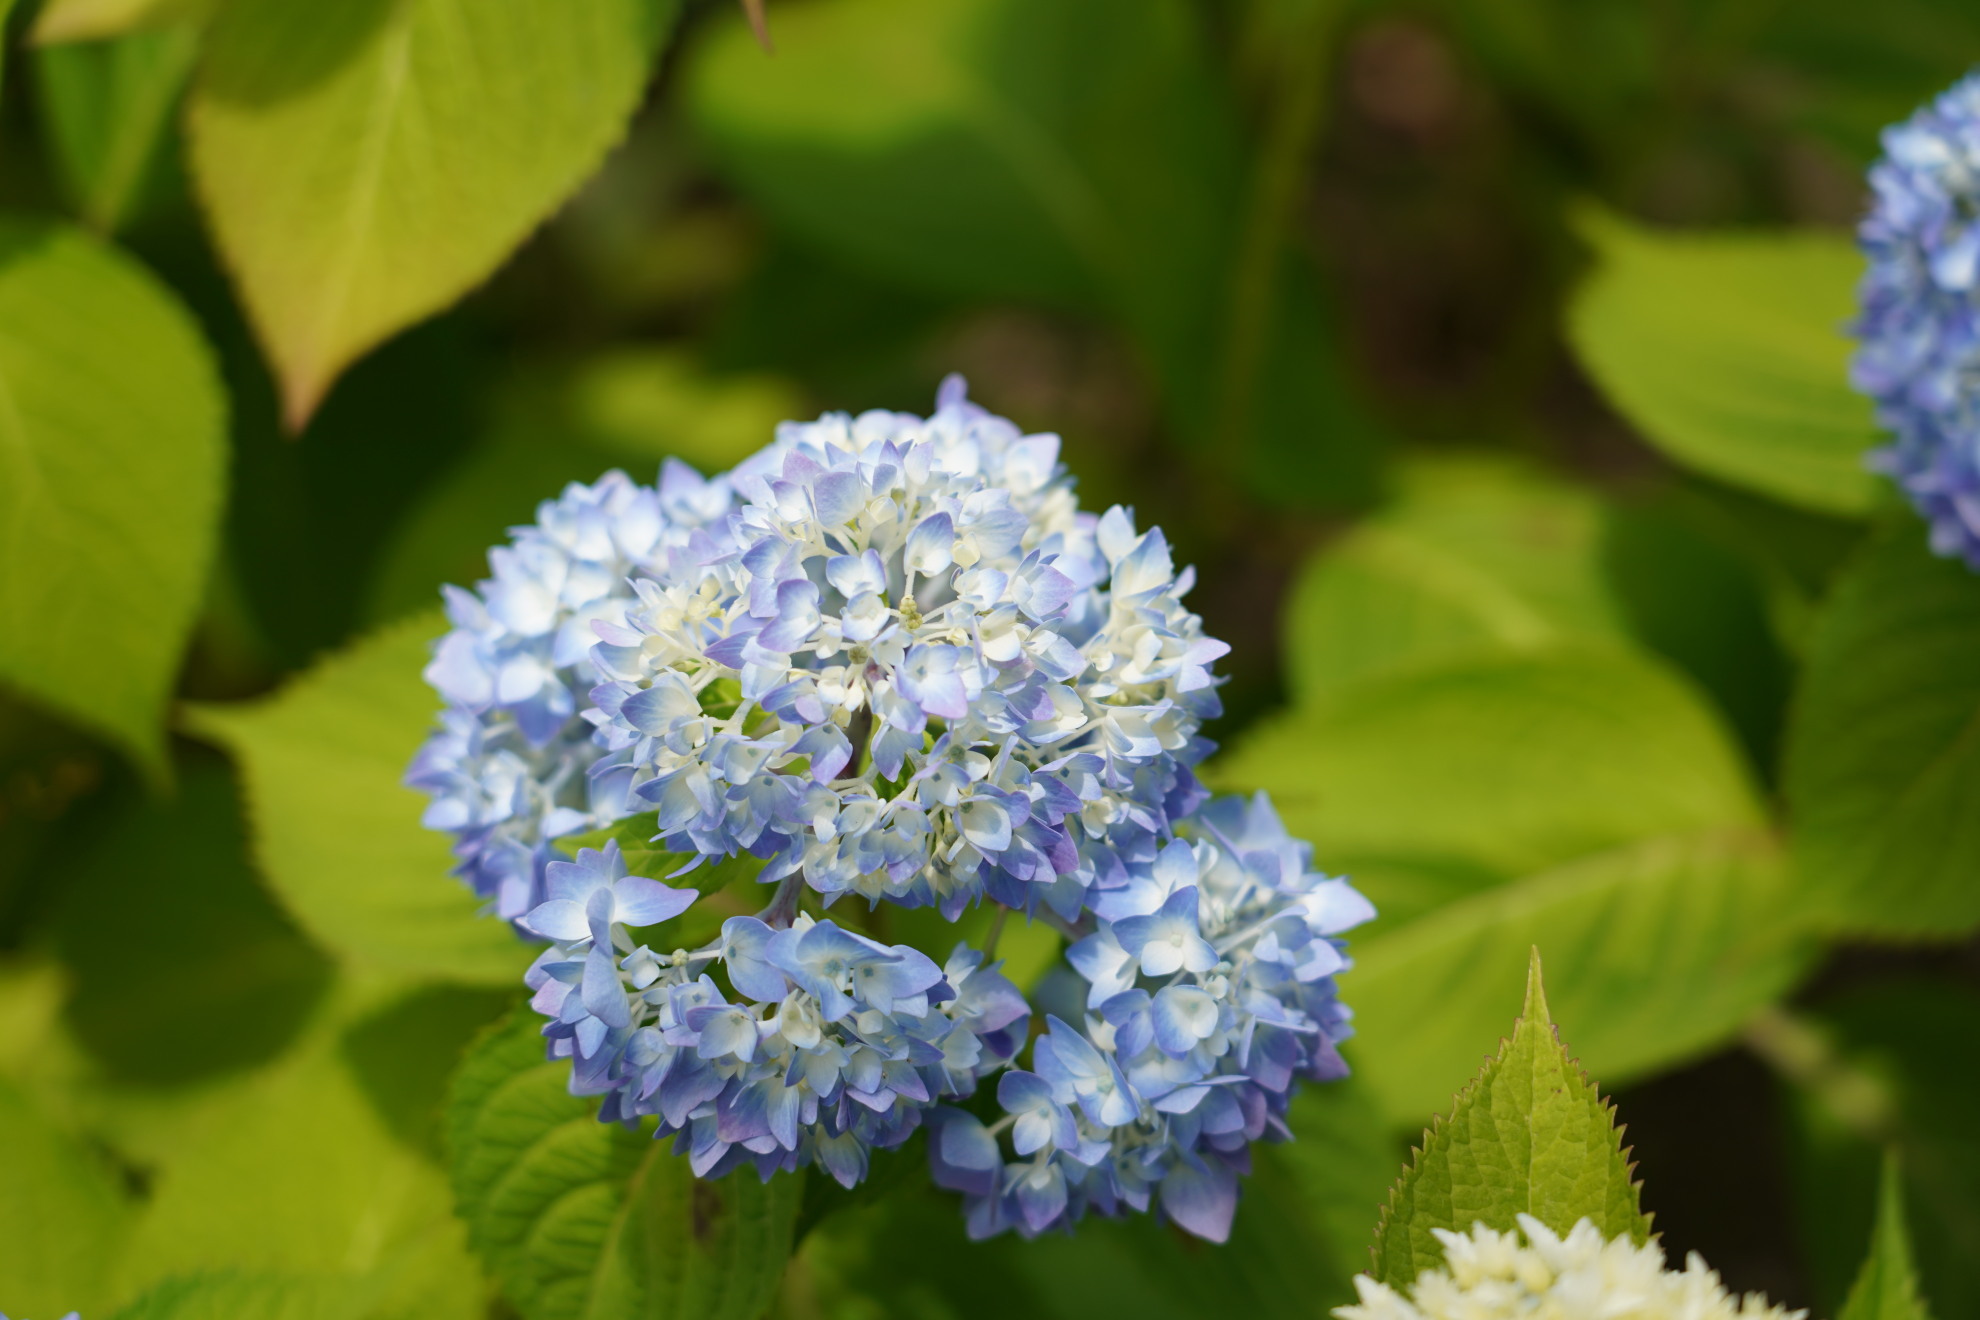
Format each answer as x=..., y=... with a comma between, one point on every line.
x=1919, y=327
x=888, y=657
x=1494, y=1276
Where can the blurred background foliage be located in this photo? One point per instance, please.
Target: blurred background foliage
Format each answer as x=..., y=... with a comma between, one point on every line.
x=1486, y=358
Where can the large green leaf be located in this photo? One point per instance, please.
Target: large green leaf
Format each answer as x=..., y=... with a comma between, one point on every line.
x=582, y=1220
x=336, y=831
x=1434, y=783
x=1730, y=353
x=63, y=1218
x=108, y=108
x=1531, y=1135
x=1662, y=948
x=111, y=433
x=1475, y=553
x=1578, y=799
x=305, y=1175
x=1883, y=761
x=162, y=878
x=1887, y=1286
x=366, y=163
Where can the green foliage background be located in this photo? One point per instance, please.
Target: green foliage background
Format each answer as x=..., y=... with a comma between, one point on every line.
x=1488, y=359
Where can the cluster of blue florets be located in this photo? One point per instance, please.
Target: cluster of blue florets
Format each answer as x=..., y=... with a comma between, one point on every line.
x=888, y=657
x=1208, y=992
x=1919, y=329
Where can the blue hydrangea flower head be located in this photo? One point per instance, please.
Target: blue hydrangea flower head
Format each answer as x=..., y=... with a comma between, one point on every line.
x=1919, y=327
x=887, y=657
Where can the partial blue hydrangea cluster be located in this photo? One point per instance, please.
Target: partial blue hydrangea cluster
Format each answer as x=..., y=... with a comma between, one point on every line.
x=1919, y=330
x=888, y=657
x=908, y=667
x=512, y=765
x=1209, y=993
x=831, y=1046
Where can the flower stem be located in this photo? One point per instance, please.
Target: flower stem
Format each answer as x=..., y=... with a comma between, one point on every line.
x=784, y=903
x=996, y=932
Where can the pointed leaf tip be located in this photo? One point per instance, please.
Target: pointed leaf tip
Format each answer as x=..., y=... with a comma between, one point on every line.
x=1531, y=1134
x=1535, y=1008
x=1886, y=1288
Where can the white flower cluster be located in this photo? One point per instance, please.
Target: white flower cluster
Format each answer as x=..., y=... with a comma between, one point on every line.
x=1491, y=1276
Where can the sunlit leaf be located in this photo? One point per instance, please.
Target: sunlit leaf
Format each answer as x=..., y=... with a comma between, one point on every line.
x=1730, y=353
x=1438, y=782
x=1662, y=948
x=1474, y=553
x=337, y=833
x=579, y=1218
x=1531, y=1135
x=306, y=1176
x=364, y=164
x=1580, y=799
x=111, y=443
x=63, y=1216
x=1883, y=762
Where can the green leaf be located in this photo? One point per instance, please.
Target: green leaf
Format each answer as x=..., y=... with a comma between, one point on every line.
x=63, y=1218
x=1883, y=760
x=365, y=164
x=305, y=1176
x=1435, y=783
x=108, y=107
x=1887, y=1286
x=235, y=1296
x=112, y=426
x=337, y=833
x=1531, y=1135
x=96, y=20
x=1662, y=948
x=1475, y=553
x=1571, y=798
x=1730, y=354
x=165, y=877
x=581, y=1219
